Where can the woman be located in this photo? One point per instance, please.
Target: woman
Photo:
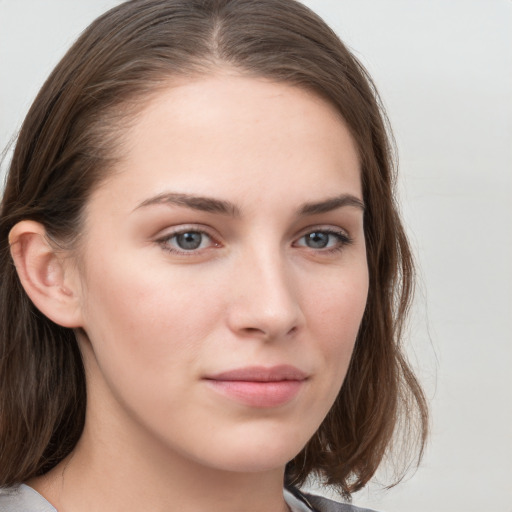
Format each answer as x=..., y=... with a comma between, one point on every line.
x=210, y=275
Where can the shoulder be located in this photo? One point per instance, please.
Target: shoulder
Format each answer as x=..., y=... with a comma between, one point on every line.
x=23, y=498
x=321, y=504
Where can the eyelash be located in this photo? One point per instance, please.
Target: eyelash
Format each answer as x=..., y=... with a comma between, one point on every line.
x=343, y=240
x=165, y=241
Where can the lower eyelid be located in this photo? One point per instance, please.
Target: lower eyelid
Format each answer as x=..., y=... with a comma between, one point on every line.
x=166, y=241
x=342, y=236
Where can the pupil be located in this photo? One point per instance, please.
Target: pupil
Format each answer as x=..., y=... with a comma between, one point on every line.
x=189, y=241
x=317, y=240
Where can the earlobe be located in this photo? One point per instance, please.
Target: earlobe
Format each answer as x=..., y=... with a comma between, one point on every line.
x=44, y=274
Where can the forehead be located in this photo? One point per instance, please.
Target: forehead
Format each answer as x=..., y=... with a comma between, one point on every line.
x=229, y=134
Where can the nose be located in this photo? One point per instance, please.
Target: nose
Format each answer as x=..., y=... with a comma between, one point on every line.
x=265, y=299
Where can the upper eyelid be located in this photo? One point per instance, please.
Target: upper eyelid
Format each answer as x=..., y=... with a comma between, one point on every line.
x=184, y=228
x=343, y=236
x=216, y=237
x=164, y=241
x=324, y=228
x=169, y=233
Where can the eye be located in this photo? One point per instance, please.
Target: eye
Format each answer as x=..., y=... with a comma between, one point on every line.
x=187, y=241
x=324, y=239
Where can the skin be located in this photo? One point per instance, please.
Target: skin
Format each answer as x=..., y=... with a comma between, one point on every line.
x=158, y=320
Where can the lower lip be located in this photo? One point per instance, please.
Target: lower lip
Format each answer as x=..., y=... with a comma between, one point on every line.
x=258, y=394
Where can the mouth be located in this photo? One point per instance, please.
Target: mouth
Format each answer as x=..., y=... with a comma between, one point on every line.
x=259, y=386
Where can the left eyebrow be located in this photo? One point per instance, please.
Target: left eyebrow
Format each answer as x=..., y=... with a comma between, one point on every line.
x=330, y=204
x=205, y=204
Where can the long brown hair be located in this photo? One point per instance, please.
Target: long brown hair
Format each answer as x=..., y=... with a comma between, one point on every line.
x=67, y=145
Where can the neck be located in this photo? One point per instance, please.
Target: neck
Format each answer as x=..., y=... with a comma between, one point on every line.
x=106, y=473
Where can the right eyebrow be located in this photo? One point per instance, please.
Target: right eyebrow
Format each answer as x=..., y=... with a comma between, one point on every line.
x=201, y=203
x=332, y=203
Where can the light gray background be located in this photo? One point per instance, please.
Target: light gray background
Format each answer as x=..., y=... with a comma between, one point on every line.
x=444, y=69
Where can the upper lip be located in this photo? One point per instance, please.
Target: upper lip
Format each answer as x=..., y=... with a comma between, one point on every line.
x=260, y=374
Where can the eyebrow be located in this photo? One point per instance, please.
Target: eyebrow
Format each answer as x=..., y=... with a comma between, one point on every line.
x=330, y=204
x=211, y=205
x=204, y=204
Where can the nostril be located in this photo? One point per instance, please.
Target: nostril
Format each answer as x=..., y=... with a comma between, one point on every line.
x=256, y=330
x=253, y=330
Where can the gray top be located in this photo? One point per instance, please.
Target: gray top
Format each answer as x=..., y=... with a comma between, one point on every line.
x=25, y=499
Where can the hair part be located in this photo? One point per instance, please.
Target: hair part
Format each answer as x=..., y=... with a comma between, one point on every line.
x=70, y=142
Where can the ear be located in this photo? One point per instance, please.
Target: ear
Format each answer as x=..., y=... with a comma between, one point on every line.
x=48, y=277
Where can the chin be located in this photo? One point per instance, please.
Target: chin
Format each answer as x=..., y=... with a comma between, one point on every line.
x=254, y=461
x=256, y=451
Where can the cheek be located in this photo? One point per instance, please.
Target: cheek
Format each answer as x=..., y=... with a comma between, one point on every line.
x=143, y=320
x=147, y=331
x=334, y=317
x=339, y=305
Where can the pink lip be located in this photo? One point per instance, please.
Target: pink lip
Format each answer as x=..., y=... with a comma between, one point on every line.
x=259, y=386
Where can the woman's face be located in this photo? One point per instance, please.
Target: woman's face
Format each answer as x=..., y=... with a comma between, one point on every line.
x=223, y=274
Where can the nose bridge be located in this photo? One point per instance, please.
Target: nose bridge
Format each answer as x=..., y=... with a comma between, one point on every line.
x=266, y=300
